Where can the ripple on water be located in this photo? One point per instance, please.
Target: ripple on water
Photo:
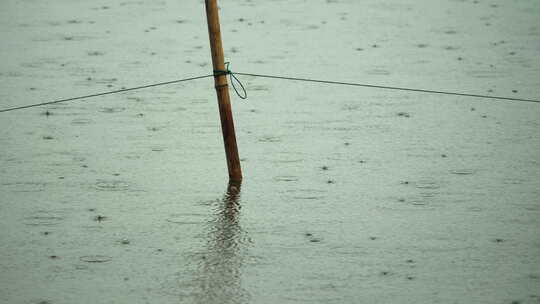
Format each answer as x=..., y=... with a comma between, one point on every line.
x=25, y=186
x=186, y=218
x=270, y=139
x=418, y=203
x=95, y=258
x=112, y=185
x=209, y=202
x=427, y=184
x=112, y=109
x=306, y=194
x=43, y=219
x=462, y=171
x=81, y=121
x=287, y=161
x=286, y=178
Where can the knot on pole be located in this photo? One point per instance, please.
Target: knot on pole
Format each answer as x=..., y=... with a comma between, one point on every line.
x=233, y=79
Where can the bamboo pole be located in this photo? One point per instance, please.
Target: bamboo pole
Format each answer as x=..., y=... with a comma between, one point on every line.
x=222, y=91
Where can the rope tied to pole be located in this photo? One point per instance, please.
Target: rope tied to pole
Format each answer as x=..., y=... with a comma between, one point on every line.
x=244, y=96
x=233, y=79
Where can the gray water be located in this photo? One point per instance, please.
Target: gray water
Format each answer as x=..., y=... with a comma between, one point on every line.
x=349, y=195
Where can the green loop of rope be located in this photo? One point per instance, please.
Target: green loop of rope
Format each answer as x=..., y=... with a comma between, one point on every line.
x=233, y=79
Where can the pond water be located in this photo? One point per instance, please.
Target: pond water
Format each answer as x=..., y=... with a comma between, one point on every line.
x=350, y=195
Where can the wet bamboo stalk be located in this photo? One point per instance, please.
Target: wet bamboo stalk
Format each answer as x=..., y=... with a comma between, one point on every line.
x=222, y=91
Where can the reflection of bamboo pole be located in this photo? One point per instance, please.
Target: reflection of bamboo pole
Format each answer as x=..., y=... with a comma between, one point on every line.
x=220, y=269
x=222, y=91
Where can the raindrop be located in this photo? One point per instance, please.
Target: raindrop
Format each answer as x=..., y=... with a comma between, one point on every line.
x=403, y=114
x=100, y=218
